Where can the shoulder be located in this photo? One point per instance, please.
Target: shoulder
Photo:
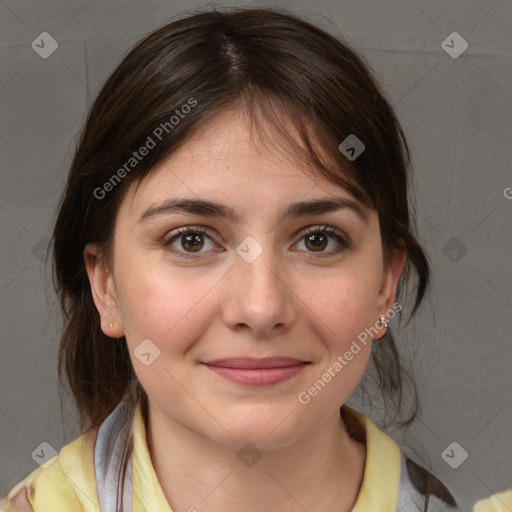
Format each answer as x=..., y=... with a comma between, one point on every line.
x=420, y=490
x=66, y=482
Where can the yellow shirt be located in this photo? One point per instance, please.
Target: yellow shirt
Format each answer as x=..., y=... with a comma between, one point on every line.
x=68, y=481
x=501, y=502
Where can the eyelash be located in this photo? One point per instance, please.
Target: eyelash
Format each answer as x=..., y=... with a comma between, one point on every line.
x=344, y=241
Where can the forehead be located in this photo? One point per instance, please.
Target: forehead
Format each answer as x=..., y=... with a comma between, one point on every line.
x=225, y=160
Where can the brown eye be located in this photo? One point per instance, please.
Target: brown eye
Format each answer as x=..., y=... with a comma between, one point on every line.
x=192, y=243
x=186, y=241
x=316, y=242
x=318, y=238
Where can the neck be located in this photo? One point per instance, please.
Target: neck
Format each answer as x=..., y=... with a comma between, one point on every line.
x=322, y=471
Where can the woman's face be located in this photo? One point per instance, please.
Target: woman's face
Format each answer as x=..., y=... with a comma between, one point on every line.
x=261, y=281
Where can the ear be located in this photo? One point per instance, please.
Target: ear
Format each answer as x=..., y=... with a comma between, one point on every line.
x=103, y=292
x=389, y=283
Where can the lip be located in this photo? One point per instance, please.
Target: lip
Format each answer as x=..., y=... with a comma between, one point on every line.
x=257, y=376
x=256, y=362
x=257, y=372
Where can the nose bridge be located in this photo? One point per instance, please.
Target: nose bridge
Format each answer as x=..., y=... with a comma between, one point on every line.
x=258, y=294
x=257, y=268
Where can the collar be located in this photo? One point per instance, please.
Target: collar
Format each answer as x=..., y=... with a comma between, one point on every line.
x=378, y=492
x=89, y=464
x=379, y=489
x=147, y=492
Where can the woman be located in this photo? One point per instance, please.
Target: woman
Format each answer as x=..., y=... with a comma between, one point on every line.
x=233, y=238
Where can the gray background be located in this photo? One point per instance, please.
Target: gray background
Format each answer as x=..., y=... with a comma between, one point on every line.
x=457, y=116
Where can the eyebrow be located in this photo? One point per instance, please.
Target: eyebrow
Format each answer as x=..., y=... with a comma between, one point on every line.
x=213, y=209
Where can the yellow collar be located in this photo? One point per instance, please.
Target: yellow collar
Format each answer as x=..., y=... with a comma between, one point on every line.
x=379, y=490
x=378, y=493
x=69, y=483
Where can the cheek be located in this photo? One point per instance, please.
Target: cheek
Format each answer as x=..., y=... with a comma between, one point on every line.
x=173, y=311
x=172, y=308
x=345, y=304
x=340, y=311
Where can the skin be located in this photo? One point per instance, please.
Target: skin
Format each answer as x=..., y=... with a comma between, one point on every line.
x=291, y=301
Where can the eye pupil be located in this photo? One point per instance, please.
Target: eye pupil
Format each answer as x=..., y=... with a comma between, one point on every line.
x=318, y=243
x=194, y=241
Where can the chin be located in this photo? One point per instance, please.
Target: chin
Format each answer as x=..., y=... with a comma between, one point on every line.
x=266, y=432
x=248, y=438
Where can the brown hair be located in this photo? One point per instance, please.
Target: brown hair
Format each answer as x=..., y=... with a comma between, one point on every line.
x=266, y=61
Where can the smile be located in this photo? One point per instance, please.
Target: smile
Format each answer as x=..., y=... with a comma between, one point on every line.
x=257, y=376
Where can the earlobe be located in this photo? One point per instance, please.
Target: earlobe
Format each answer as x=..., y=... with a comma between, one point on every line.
x=103, y=292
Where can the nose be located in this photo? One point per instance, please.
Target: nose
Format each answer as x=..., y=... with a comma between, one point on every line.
x=258, y=297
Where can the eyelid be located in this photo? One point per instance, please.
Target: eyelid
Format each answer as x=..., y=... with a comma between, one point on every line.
x=175, y=233
x=324, y=228
x=185, y=229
